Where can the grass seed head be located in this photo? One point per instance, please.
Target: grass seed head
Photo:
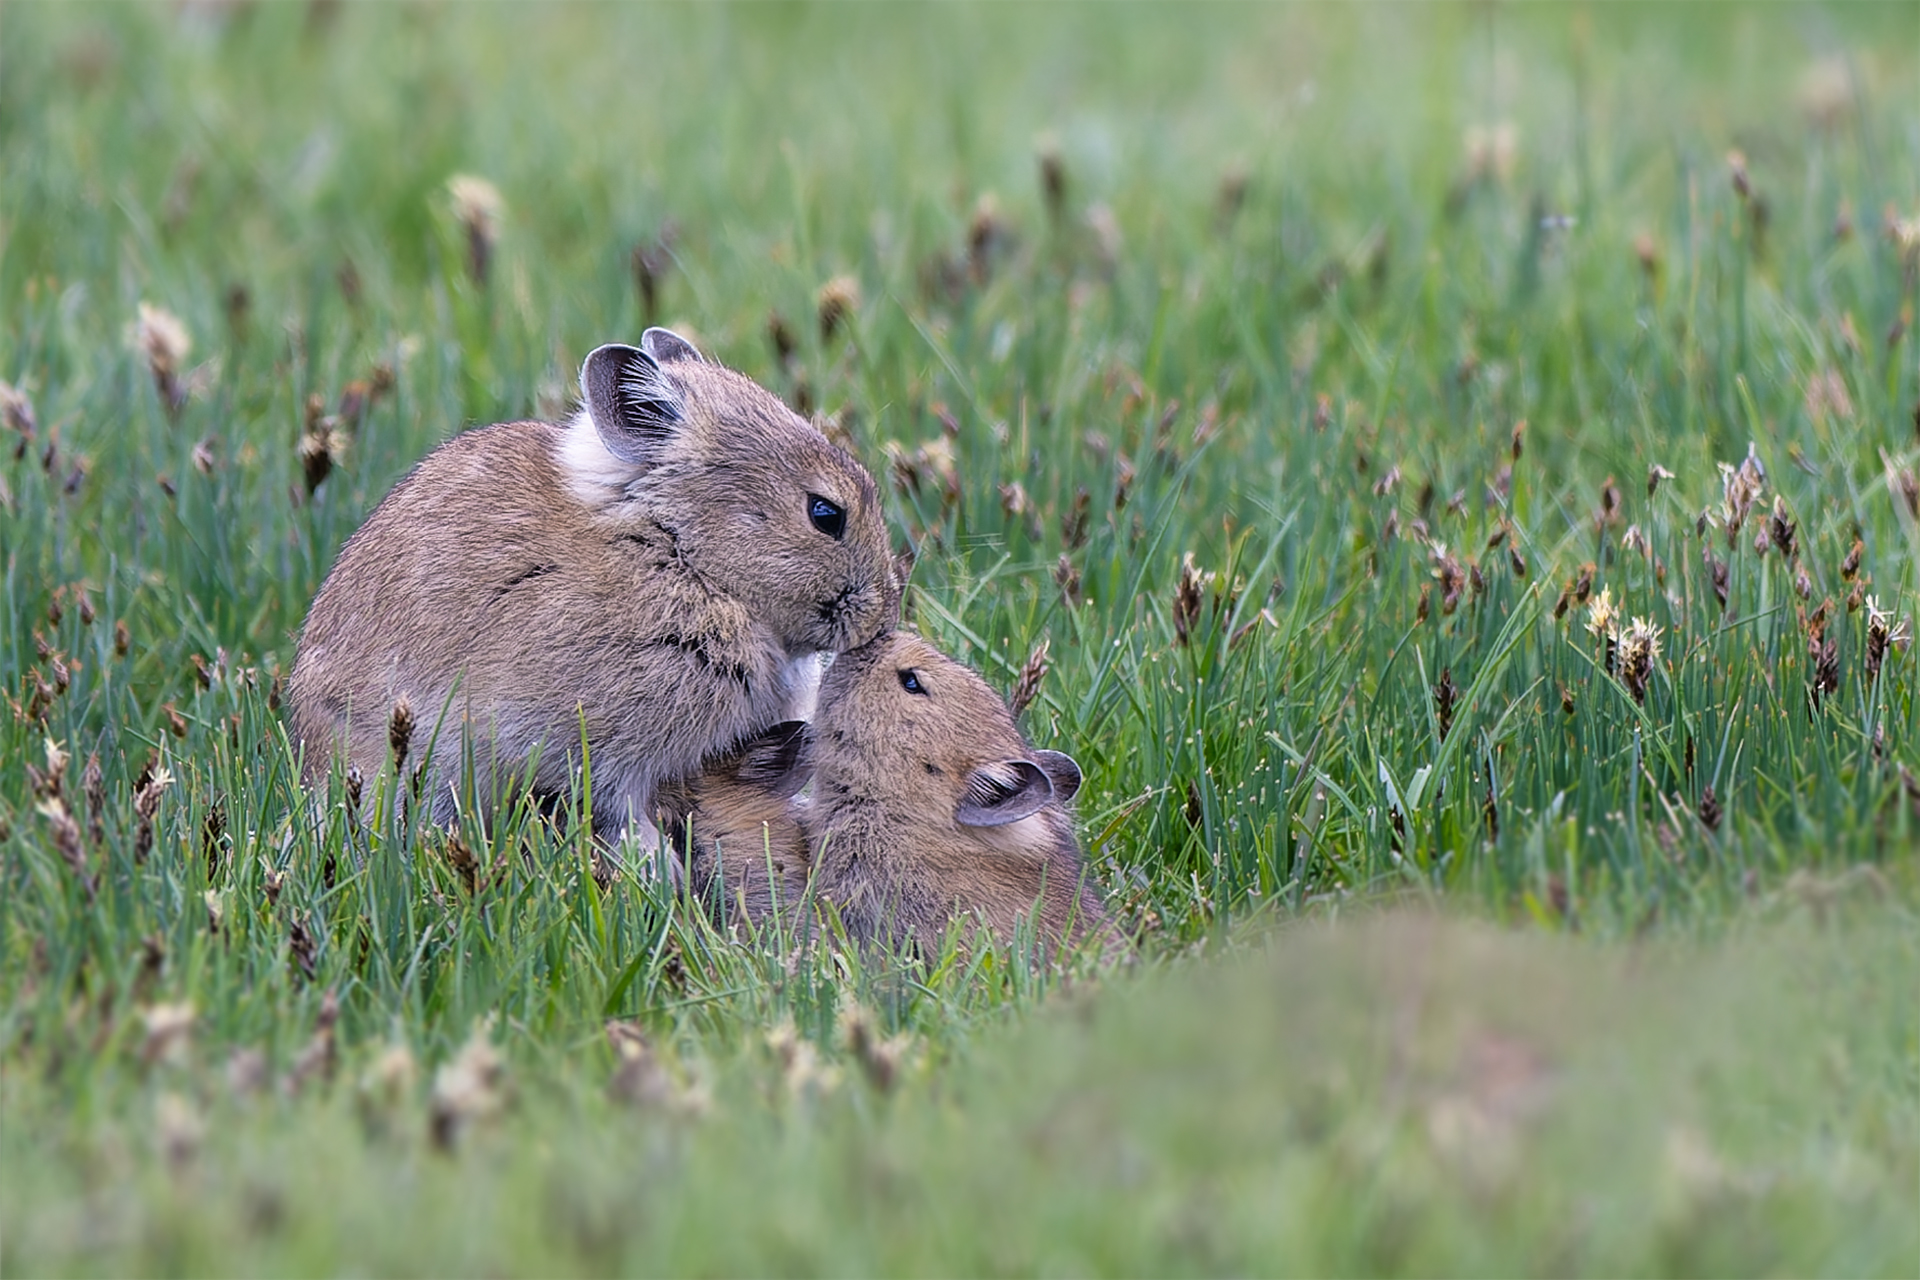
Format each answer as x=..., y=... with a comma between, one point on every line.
x=1449, y=574
x=801, y=1073
x=1074, y=523
x=1639, y=647
x=1884, y=632
x=1739, y=489
x=1907, y=486
x=1186, y=600
x=1027, y=687
x=303, y=949
x=1655, y=474
x=639, y=1078
x=1825, y=680
x=1609, y=513
x=1781, y=529
x=987, y=233
x=477, y=207
x=880, y=1060
x=837, y=302
x=1067, y=577
x=1850, y=567
x=1053, y=177
x=400, y=732
x=1710, y=812
x=169, y=1027
x=162, y=338
x=1646, y=250
x=781, y=338
x=1446, y=696
x=66, y=841
x=16, y=411
x=93, y=785
x=1232, y=194
x=468, y=1089
x=178, y=1129
x=318, y=450
x=1716, y=575
x=1737, y=172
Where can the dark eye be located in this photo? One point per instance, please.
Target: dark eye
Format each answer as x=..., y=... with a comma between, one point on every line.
x=827, y=516
x=910, y=681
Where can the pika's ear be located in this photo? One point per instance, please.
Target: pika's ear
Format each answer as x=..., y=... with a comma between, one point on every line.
x=1002, y=792
x=1062, y=770
x=634, y=407
x=777, y=761
x=666, y=346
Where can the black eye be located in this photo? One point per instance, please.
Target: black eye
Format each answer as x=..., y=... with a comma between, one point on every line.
x=910, y=681
x=827, y=516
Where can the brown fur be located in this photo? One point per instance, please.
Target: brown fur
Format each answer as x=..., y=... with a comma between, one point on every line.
x=736, y=828
x=667, y=608
x=895, y=834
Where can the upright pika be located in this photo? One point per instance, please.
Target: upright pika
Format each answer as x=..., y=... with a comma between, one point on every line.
x=663, y=571
x=926, y=802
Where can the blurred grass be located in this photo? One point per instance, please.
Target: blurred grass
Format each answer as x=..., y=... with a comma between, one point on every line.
x=1309, y=270
x=1398, y=1094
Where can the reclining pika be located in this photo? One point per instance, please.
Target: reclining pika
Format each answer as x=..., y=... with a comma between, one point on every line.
x=926, y=803
x=666, y=569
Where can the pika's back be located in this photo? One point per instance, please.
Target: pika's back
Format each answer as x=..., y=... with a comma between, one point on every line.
x=657, y=577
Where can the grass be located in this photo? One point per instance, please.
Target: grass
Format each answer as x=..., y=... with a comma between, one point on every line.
x=1338, y=312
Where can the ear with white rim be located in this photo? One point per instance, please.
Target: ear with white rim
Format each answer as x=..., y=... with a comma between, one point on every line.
x=635, y=407
x=1002, y=792
x=666, y=346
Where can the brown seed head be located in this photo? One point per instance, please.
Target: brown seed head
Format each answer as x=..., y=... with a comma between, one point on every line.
x=400, y=732
x=1583, y=582
x=1824, y=681
x=1053, y=178
x=1709, y=809
x=316, y=457
x=1067, y=578
x=1446, y=695
x=16, y=410
x=1737, y=171
x=1027, y=687
x=1186, y=600
x=477, y=206
x=837, y=302
x=1781, y=529
x=1639, y=647
x=1232, y=194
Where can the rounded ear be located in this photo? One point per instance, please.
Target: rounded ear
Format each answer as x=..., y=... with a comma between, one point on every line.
x=776, y=761
x=666, y=346
x=1002, y=792
x=635, y=408
x=1062, y=770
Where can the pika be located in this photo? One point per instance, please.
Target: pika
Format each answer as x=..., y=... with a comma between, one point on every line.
x=657, y=578
x=925, y=803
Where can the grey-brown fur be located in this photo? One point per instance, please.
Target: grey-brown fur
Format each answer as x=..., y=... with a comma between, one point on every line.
x=652, y=569
x=924, y=805
x=735, y=829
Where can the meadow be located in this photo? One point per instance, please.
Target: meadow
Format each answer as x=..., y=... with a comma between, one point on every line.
x=1448, y=473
